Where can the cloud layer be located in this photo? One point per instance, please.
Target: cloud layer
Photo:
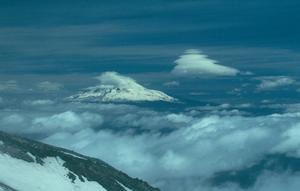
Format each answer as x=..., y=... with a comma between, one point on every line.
x=195, y=63
x=175, y=151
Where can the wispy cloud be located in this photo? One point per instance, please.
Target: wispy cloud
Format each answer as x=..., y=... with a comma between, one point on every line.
x=274, y=82
x=10, y=85
x=49, y=86
x=40, y=102
x=171, y=83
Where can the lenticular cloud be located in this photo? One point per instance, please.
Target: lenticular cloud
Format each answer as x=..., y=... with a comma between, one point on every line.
x=195, y=63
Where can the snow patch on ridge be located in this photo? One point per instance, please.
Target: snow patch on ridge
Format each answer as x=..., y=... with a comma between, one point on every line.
x=73, y=155
x=32, y=156
x=127, y=189
x=24, y=176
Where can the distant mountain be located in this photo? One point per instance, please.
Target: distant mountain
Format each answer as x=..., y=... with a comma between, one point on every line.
x=118, y=88
x=106, y=93
x=27, y=165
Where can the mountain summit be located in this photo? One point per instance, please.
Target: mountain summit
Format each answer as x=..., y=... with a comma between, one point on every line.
x=118, y=88
x=29, y=165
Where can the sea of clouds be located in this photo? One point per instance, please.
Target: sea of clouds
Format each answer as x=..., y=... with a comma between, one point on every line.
x=174, y=151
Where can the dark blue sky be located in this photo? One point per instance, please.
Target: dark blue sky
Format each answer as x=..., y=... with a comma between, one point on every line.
x=145, y=36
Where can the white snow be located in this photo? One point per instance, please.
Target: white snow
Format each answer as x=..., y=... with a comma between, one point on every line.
x=32, y=156
x=126, y=188
x=117, y=88
x=25, y=176
x=73, y=155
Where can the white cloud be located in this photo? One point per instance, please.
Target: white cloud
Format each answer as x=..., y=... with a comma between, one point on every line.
x=171, y=83
x=41, y=122
x=291, y=141
x=273, y=82
x=12, y=119
x=198, y=93
x=158, y=121
x=118, y=80
x=198, y=148
x=291, y=108
x=181, y=159
x=195, y=63
x=39, y=102
x=10, y=85
x=206, y=146
x=68, y=121
x=49, y=86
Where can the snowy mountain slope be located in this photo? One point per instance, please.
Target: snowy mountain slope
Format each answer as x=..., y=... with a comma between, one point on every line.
x=4, y=187
x=29, y=165
x=117, y=88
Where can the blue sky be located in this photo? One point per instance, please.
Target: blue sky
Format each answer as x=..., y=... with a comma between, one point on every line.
x=232, y=65
x=144, y=38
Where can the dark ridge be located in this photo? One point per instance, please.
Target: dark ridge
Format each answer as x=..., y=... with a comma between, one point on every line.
x=6, y=188
x=91, y=168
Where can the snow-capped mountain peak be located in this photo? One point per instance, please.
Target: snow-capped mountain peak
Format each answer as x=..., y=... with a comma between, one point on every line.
x=118, y=88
